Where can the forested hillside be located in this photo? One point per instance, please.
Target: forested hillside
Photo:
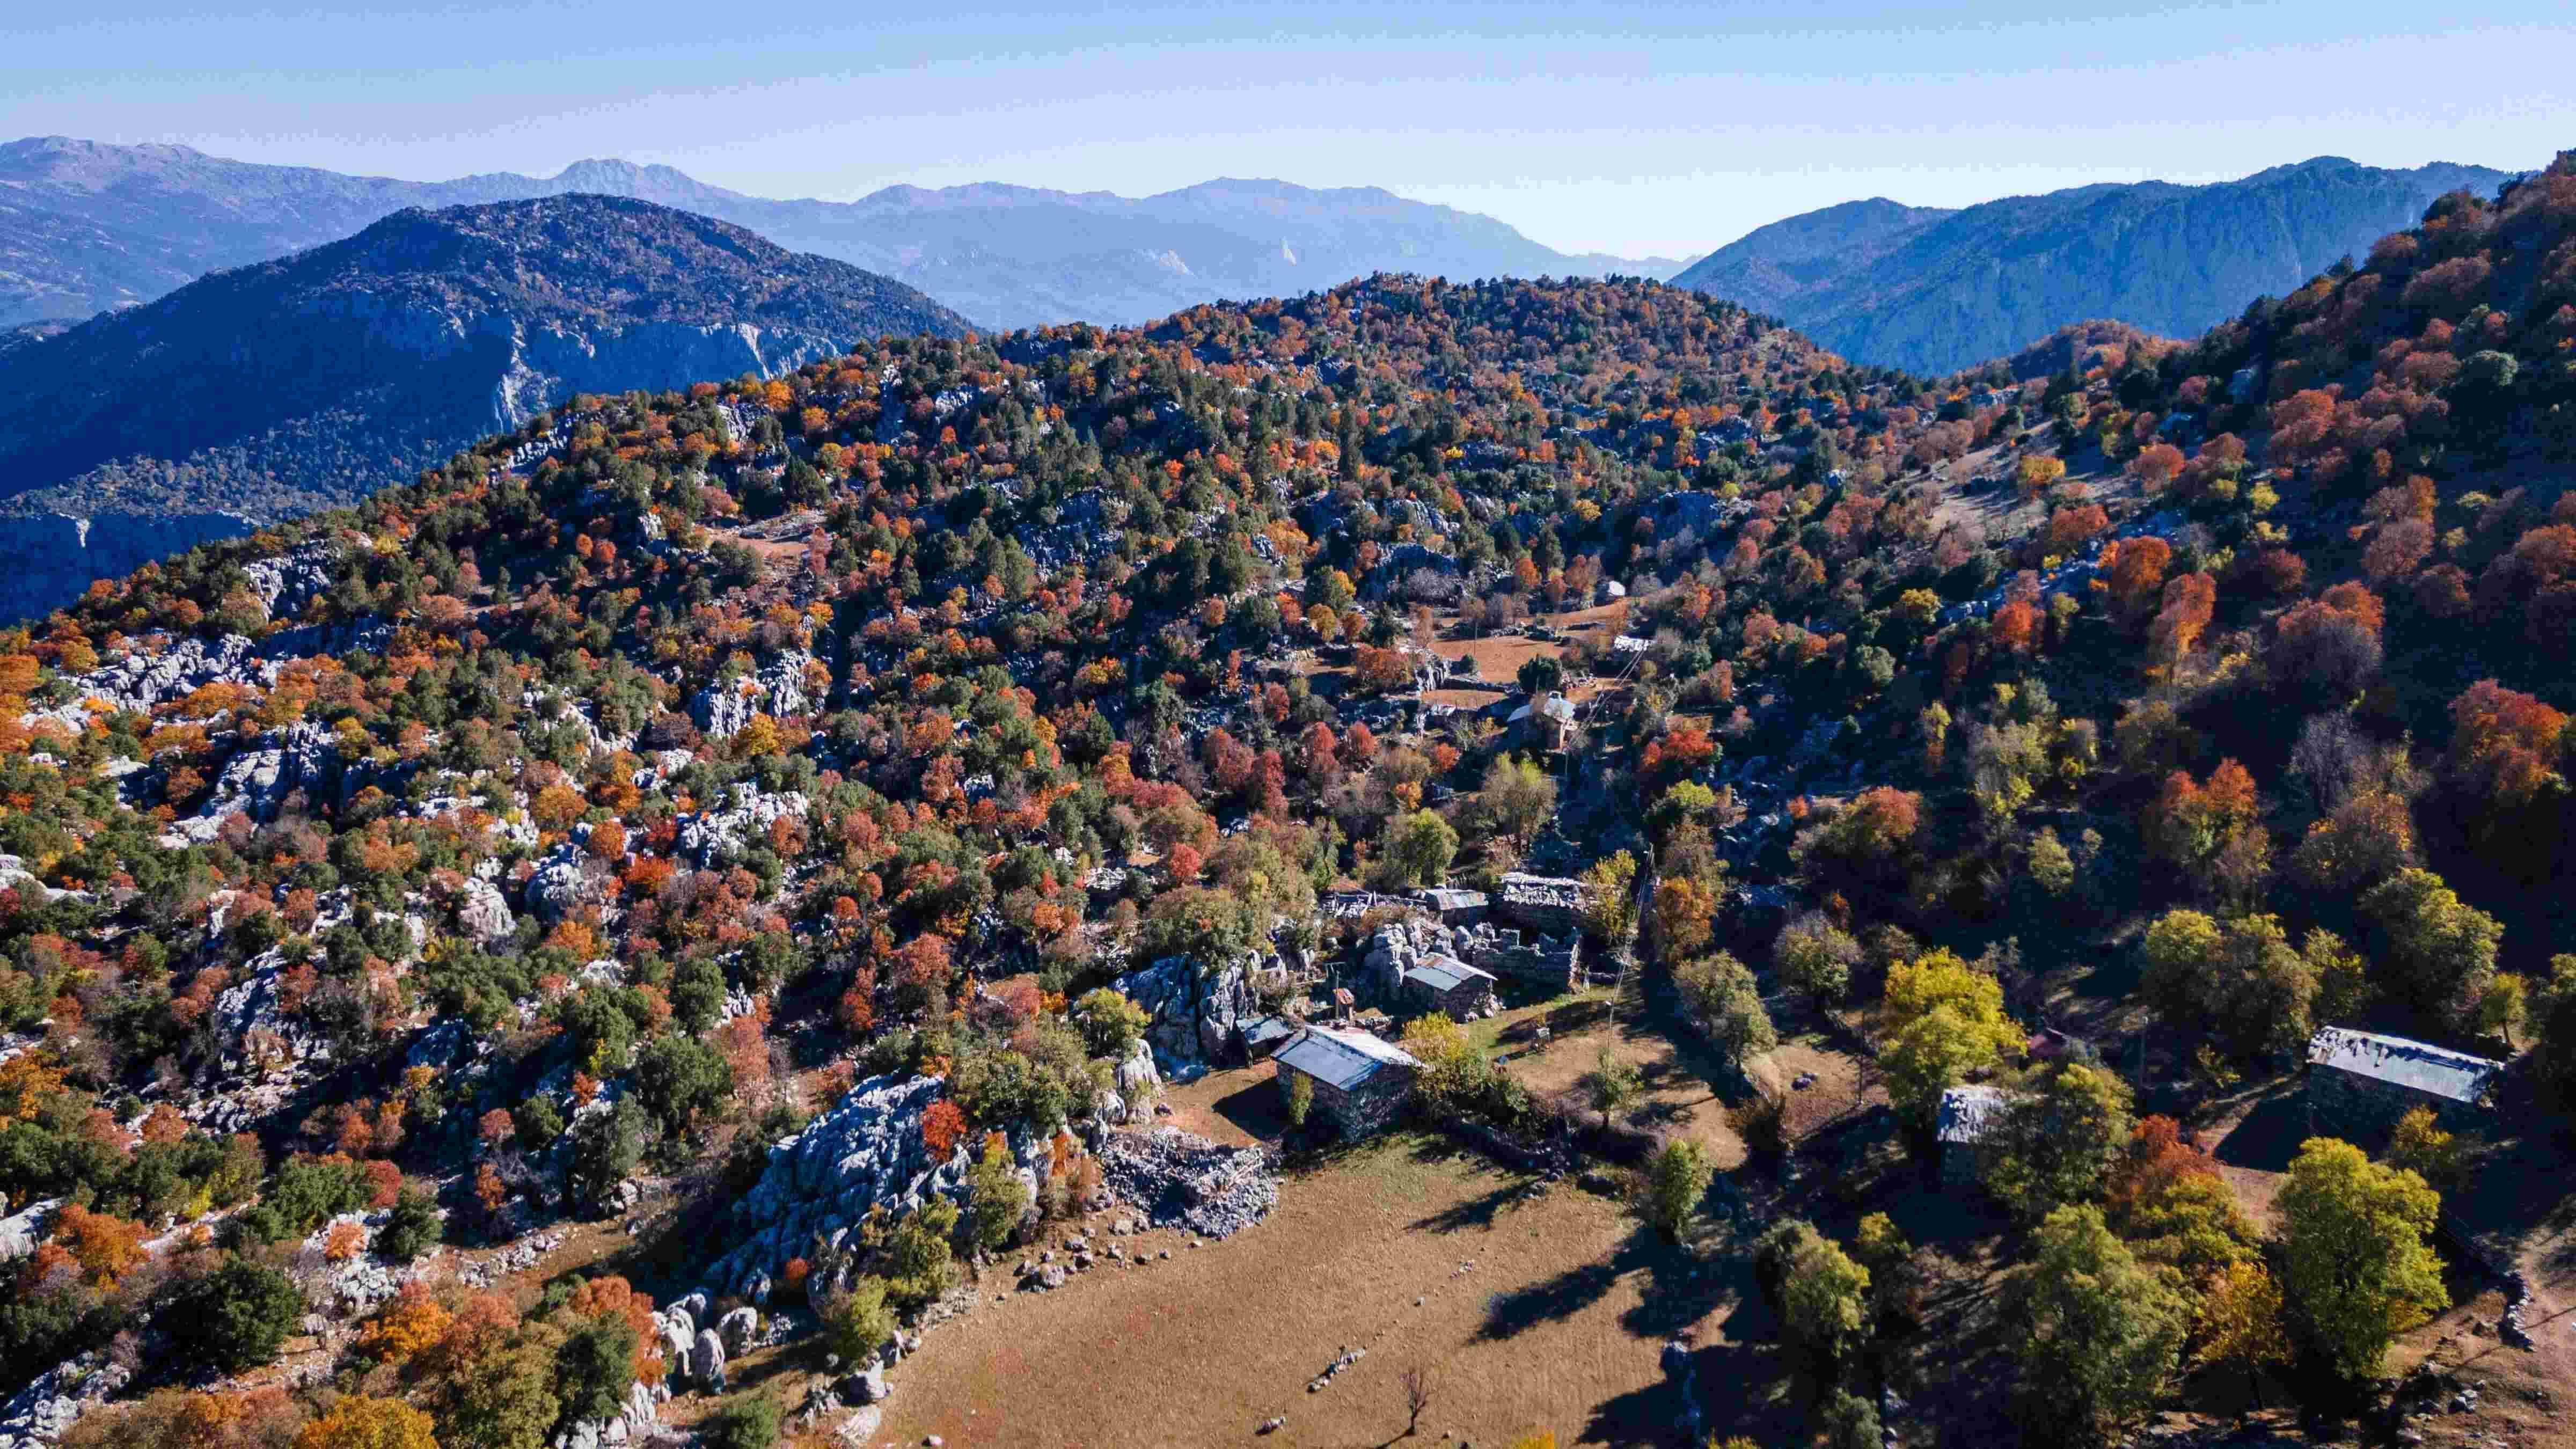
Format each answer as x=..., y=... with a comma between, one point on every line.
x=691, y=792
x=1933, y=290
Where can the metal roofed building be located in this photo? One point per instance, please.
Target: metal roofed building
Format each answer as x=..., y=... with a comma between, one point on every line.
x=1453, y=905
x=1544, y=721
x=2361, y=1082
x=1263, y=1035
x=1445, y=983
x=1965, y=1129
x=1361, y=1083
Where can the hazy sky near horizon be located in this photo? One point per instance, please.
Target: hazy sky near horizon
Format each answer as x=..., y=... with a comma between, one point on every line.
x=1604, y=125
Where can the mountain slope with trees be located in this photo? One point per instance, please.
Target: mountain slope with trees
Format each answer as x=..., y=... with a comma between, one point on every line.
x=1935, y=290
x=631, y=785
x=307, y=381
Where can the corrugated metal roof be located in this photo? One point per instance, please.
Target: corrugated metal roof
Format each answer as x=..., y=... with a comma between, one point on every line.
x=2418, y=1066
x=1556, y=707
x=1343, y=1059
x=1264, y=1028
x=1445, y=973
x=1969, y=1113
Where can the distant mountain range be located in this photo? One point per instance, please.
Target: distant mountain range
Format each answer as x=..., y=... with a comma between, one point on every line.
x=1933, y=290
x=86, y=226
x=273, y=389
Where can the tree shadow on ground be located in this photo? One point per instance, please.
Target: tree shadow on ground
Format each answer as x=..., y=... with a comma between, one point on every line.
x=1568, y=1293
x=2269, y=1136
x=1682, y=1289
x=1480, y=1211
x=1254, y=1110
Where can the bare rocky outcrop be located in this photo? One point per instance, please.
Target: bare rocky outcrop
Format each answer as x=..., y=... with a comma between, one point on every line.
x=777, y=689
x=1193, y=1013
x=865, y=1152
x=141, y=679
x=715, y=837
x=40, y=1413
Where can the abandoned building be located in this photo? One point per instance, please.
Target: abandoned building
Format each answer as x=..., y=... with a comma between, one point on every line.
x=1361, y=1084
x=1550, y=905
x=2360, y=1082
x=1528, y=958
x=1451, y=905
x=1445, y=983
x=1966, y=1130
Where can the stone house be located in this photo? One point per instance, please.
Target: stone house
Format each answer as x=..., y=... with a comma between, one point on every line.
x=1361, y=1084
x=1966, y=1130
x=1550, y=905
x=1445, y=983
x=2360, y=1082
x=1544, y=723
x=1452, y=906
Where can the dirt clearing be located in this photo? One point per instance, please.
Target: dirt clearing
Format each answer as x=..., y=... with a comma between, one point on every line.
x=1535, y=1311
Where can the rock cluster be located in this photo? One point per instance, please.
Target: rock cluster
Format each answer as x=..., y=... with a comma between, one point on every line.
x=714, y=837
x=138, y=681
x=776, y=689
x=1180, y=1180
x=1194, y=1012
x=865, y=1151
x=256, y=781
x=39, y=1413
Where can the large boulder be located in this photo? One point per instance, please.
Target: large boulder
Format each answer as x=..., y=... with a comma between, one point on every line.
x=23, y=1230
x=867, y=1386
x=739, y=1329
x=707, y=1357
x=565, y=881
x=484, y=914
x=1137, y=1079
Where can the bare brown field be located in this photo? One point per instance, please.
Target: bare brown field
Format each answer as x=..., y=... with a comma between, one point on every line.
x=1528, y=1310
x=1499, y=656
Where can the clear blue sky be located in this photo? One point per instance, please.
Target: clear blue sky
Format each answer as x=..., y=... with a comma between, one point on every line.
x=1588, y=124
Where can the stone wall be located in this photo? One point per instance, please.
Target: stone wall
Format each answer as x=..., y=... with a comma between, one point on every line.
x=1549, y=962
x=2364, y=1110
x=1360, y=1113
x=1545, y=904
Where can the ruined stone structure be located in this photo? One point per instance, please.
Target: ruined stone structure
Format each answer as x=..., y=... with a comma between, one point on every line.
x=1550, y=904
x=1526, y=958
